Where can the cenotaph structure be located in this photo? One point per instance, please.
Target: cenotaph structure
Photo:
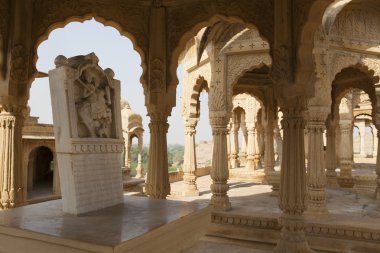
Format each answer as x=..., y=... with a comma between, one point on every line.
x=88, y=133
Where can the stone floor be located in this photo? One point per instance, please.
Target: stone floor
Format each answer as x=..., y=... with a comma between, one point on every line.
x=112, y=227
x=254, y=197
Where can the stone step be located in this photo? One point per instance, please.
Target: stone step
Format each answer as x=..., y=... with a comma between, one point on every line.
x=331, y=235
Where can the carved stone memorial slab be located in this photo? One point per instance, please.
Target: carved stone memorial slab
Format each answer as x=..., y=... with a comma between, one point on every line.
x=88, y=135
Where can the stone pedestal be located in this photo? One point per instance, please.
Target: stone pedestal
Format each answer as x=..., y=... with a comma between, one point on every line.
x=88, y=136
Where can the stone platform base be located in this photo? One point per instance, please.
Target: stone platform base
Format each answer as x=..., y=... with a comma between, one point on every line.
x=335, y=233
x=246, y=175
x=134, y=185
x=138, y=225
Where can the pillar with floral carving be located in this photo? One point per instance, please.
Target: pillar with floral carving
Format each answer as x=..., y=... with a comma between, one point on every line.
x=190, y=162
x=243, y=151
x=269, y=146
x=292, y=196
x=219, y=168
x=316, y=174
x=377, y=193
x=139, y=168
x=345, y=178
x=12, y=192
x=250, y=164
x=234, y=142
x=331, y=161
x=157, y=182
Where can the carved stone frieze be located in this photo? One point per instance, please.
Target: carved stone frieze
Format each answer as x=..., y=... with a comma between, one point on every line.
x=357, y=24
x=4, y=21
x=19, y=65
x=186, y=17
x=156, y=76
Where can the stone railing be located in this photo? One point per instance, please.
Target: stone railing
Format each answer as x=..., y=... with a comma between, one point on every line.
x=178, y=175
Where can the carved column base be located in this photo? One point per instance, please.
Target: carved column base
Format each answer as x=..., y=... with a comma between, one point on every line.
x=377, y=191
x=126, y=173
x=250, y=164
x=317, y=201
x=257, y=161
x=273, y=179
x=243, y=159
x=220, y=199
x=234, y=162
x=190, y=186
x=292, y=238
x=331, y=177
x=139, y=171
x=345, y=179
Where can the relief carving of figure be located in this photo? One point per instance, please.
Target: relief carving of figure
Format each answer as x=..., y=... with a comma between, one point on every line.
x=94, y=104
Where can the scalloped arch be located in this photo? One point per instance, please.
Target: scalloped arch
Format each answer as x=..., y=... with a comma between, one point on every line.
x=99, y=19
x=175, y=54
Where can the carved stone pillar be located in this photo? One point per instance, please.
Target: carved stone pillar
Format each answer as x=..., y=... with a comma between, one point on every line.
x=127, y=158
x=190, y=162
x=345, y=178
x=234, y=142
x=331, y=161
x=316, y=174
x=157, y=182
x=278, y=146
x=269, y=148
x=251, y=147
x=12, y=191
x=228, y=139
x=243, y=151
x=219, y=168
x=361, y=126
x=139, y=168
x=377, y=193
x=375, y=140
x=292, y=196
x=257, y=156
x=306, y=138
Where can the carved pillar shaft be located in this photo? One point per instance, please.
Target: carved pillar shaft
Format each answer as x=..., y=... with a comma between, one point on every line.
x=257, y=156
x=251, y=148
x=157, y=183
x=361, y=125
x=269, y=148
x=12, y=191
x=243, y=151
x=190, y=162
x=378, y=170
x=292, y=196
x=234, y=138
x=375, y=141
x=345, y=178
x=316, y=162
x=219, y=168
x=331, y=162
x=139, y=169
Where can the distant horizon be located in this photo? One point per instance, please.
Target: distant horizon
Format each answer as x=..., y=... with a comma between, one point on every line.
x=116, y=52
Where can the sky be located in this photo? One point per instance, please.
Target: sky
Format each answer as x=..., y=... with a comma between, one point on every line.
x=116, y=52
